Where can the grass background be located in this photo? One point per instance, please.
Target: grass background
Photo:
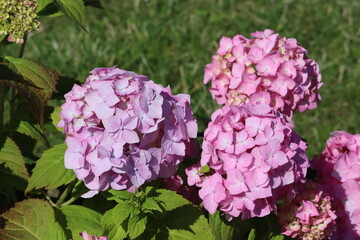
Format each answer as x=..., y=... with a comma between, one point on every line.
x=171, y=41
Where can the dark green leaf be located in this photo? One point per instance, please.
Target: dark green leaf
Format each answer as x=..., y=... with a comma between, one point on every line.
x=252, y=235
x=50, y=171
x=93, y=3
x=80, y=218
x=47, y=8
x=73, y=9
x=34, y=82
x=31, y=219
x=13, y=161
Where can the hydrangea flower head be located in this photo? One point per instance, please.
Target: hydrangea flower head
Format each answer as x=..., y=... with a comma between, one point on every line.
x=86, y=236
x=17, y=17
x=252, y=154
x=338, y=170
x=309, y=215
x=123, y=130
x=264, y=69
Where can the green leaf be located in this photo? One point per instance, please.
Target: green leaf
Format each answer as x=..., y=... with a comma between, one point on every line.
x=31, y=219
x=31, y=131
x=221, y=229
x=36, y=84
x=252, y=235
x=170, y=200
x=55, y=117
x=118, y=195
x=112, y=221
x=50, y=171
x=151, y=203
x=278, y=237
x=205, y=169
x=10, y=156
x=137, y=225
x=73, y=9
x=80, y=218
x=186, y=222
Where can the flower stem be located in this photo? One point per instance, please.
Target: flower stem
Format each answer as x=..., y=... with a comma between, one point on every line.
x=65, y=193
x=22, y=48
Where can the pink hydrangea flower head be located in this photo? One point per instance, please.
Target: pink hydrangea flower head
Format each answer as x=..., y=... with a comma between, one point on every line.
x=253, y=154
x=338, y=170
x=86, y=236
x=266, y=68
x=124, y=130
x=309, y=215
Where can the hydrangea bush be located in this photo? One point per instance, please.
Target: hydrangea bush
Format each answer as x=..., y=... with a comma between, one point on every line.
x=123, y=129
x=120, y=157
x=264, y=69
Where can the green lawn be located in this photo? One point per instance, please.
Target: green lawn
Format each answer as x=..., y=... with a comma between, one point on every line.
x=172, y=41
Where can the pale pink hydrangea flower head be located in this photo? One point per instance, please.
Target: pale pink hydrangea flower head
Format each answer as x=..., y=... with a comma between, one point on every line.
x=309, y=215
x=267, y=69
x=253, y=155
x=124, y=130
x=338, y=170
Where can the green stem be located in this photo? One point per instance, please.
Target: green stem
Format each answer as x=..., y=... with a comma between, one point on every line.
x=22, y=48
x=66, y=192
x=2, y=102
x=48, y=198
x=72, y=199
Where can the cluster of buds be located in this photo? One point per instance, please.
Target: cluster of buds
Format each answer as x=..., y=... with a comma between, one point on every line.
x=123, y=129
x=252, y=153
x=338, y=169
x=309, y=216
x=265, y=69
x=17, y=17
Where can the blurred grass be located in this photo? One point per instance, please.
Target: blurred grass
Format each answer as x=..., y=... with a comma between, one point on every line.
x=172, y=41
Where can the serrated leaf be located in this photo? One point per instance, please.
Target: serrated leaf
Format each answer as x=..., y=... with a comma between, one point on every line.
x=221, y=229
x=49, y=171
x=31, y=219
x=55, y=117
x=118, y=195
x=186, y=222
x=33, y=131
x=36, y=84
x=80, y=218
x=170, y=200
x=137, y=225
x=10, y=156
x=73, y=9
x=112, y=221
x=151, y=204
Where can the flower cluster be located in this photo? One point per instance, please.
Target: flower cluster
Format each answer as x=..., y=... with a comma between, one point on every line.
x=309, y=215
x=84, y=235
x=253, y=153
x=338, y=169
x=265, y=69
x=123, y=129
x=17, y=17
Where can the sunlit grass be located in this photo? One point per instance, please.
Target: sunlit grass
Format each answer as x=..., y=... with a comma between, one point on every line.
x=171, y=42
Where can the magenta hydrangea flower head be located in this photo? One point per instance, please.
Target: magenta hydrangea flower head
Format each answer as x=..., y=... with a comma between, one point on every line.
x=264, y=69
x=253, y=154
x=123, y=130
x=338, y=170
x=309, y=215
